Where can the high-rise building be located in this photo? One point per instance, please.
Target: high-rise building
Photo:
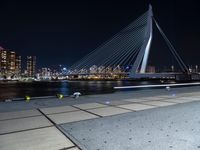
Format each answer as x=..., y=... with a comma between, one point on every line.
x=18, y=66
x=11, y=62
x=3, y=60
x=31, y=62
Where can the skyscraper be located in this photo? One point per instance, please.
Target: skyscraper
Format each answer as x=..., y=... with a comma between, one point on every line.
x=3, y=60
x=31, y=62
x=11, y=62
x=18, y=65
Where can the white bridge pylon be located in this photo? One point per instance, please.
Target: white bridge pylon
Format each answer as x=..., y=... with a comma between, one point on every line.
x=143, y=55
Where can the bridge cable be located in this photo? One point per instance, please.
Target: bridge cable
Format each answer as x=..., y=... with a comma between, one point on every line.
x=172, y=49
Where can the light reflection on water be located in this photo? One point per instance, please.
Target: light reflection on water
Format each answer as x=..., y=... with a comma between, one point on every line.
x=20, y=89
x=64, y=88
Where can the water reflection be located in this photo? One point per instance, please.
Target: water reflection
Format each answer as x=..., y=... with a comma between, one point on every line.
x=64, y=88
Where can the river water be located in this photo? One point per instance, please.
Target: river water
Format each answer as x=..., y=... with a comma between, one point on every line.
x=10, y=90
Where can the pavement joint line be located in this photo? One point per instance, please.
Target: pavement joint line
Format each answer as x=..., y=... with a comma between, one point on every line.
x=165, y=100
x=148, y=104
x=57, y=127
x=79, y=120
x=106, y=105
x=81, y=146
x=20, y=118
x=111, y=106
x=68, y=148
x=131, y=111
x=125, y=108
x=91, y=108
x=88, y=112
x=25, y=130
x=156, y=106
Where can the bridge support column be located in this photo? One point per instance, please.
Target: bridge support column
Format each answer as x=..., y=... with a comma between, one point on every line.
x=140, y=63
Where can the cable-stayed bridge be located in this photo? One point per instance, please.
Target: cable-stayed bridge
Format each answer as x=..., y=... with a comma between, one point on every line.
x=126, y=53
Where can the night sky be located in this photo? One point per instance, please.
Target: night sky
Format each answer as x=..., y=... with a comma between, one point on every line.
x=63, y=32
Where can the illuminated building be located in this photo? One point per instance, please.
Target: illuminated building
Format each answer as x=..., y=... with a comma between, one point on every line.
x=11, y=55
x=18, y=65
x=31, y=62
x=3, y=61
x=93, y=69
x=117, y=70
x=10, y=63
x=46, y=72
x=151, y=69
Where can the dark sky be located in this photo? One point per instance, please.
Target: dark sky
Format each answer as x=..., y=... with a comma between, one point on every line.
x=61, y=32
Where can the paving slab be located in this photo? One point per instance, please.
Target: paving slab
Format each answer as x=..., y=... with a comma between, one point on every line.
x=71, y=117
x=135, y=99
x=169, y=96
x=14, y=125
x=115, y=103
x=136, y=106
x=89, y=105
x=158, y=103
x=39, y=139
x=187, y=99
x=180, y=100
x=60, y=109
x=108, y=111
x=19, y=114
x=193, y=94
x=192, y=98
x=154, y=98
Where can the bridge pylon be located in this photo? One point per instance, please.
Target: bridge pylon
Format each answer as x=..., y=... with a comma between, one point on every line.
x=140, y=63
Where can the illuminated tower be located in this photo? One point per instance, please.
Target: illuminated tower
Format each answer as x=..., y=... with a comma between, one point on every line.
x=11, y=61
x=18, y=64
x=3, y=60
x=31, y=62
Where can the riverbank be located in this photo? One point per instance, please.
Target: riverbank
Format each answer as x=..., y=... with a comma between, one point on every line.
x=37, y=89
x=99, y=98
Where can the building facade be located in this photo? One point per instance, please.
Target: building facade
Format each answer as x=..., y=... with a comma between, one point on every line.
x=3, y=61
x=10, y=62
x=31, y=64
x=18, y=65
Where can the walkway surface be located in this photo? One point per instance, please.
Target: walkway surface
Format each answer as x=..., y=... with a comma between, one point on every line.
x=150, y=119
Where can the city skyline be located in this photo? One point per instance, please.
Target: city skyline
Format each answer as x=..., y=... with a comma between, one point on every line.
x=68, y=31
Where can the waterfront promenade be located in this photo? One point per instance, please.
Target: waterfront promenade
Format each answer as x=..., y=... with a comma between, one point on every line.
x=150, y=119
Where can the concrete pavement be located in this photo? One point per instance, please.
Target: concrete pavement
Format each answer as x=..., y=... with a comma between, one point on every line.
x=151, y=119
